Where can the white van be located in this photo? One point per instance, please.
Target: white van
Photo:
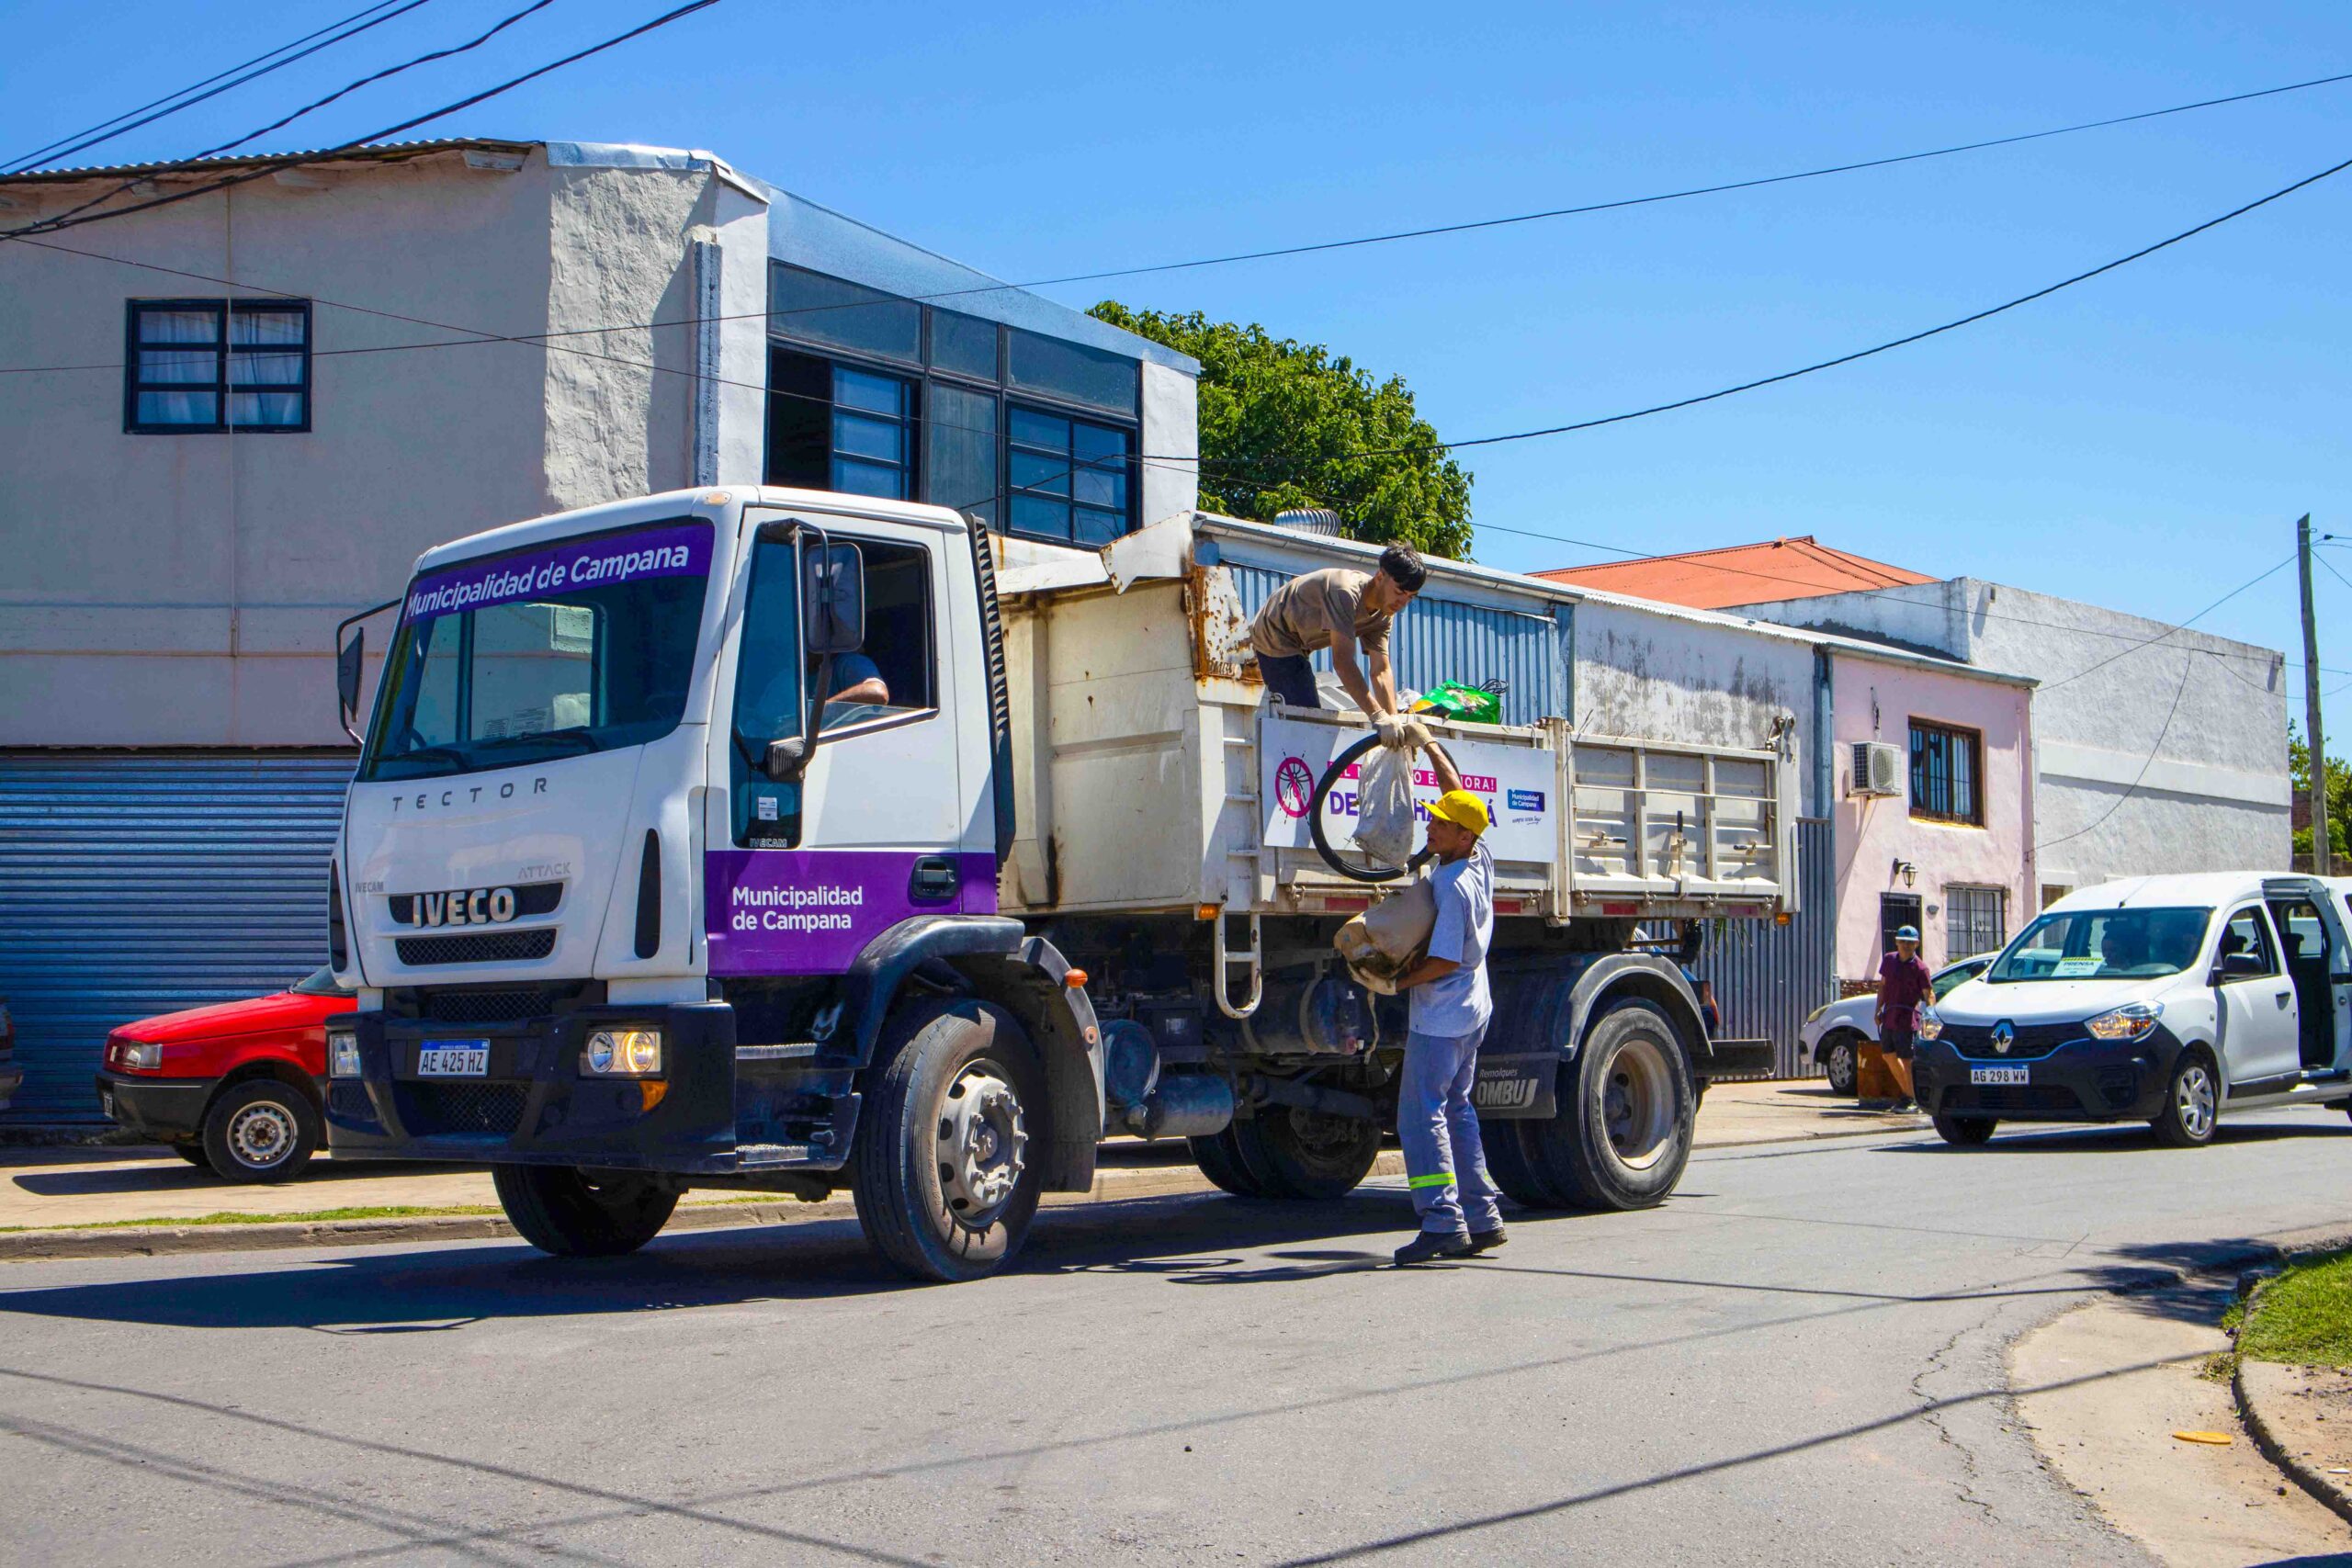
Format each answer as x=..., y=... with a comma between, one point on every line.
x=2161, y=998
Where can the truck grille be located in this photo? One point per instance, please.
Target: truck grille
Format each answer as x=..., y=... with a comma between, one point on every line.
x=477, y=947
x=440, y=1107
x=349, y=1102
x=504, y=1004
x=1974, y=1041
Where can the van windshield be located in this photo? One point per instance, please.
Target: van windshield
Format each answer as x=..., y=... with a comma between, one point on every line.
x=2104, y=944
x=550, y=651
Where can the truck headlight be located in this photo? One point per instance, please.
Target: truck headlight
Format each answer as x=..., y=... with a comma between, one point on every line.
x=1928, y=1027
x=623, y=1053
x=2132, y=1020
x=343, y=1056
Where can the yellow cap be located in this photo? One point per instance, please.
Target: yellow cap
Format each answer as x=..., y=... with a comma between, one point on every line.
x=1462, y=809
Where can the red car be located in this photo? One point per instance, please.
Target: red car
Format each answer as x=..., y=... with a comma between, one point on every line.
x=235, y=1087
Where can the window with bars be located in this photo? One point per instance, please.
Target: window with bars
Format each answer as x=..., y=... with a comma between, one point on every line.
x=832, y=427
x=1976, y=920
x=199, y=365
x=1068, y=477
x=1944, y=769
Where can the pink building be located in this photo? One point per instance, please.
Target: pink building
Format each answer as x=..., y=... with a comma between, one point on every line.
x=1933, y=815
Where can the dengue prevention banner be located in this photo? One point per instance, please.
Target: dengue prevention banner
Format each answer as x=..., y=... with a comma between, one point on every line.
x=1519, y=783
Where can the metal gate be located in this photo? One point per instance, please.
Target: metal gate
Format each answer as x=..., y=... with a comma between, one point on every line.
x=136, y=882
x=1768, y=976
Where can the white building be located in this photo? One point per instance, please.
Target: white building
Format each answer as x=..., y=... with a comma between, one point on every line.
x=268, y=400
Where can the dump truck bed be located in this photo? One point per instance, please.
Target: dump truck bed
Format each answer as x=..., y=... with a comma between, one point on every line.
x=1151, y=774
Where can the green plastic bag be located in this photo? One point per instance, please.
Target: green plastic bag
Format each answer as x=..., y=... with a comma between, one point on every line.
x=1458, y=704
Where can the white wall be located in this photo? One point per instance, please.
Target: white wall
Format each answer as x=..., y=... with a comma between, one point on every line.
x=1172, y=421
x=2200, y=722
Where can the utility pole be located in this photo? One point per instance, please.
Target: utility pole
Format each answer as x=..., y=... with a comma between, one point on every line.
x=2320, y=857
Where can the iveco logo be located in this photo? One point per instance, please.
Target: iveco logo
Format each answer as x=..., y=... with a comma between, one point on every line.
x=2004, y=1034
x=473, y=907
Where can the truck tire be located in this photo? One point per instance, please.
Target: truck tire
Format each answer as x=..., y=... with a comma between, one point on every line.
x=1623, y=1133
x=1841, y=1059
x=1305, y=1154
x=260, y=1130
x=1220, y=1160
x=944, y=1185
x=2192, y=1102
x=1514, y=1170
x=580, y=1214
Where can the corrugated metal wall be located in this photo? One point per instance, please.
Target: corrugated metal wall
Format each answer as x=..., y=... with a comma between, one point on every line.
x=139, y=883
x=1769, y=977
x=1444, y=639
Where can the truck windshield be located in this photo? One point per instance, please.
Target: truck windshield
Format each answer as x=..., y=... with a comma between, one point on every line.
x=547, y=651
x=2104, y=944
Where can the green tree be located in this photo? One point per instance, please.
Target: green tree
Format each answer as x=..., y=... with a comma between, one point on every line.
x=1286, y=423
x=2339, y=798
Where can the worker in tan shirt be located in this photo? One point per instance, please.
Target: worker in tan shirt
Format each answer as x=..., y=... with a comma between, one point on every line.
x=1349, y=613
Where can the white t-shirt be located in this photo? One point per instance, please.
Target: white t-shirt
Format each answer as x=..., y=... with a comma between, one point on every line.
x=1459, y=1003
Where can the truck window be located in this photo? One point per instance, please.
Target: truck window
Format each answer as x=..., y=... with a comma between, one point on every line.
x=891, y=676
x=768, y=705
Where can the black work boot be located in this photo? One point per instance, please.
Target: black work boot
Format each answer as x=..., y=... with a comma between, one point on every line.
x=1428, y=1246
x=1486, y=1241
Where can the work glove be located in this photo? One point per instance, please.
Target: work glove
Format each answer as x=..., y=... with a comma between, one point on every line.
x=1400, y=733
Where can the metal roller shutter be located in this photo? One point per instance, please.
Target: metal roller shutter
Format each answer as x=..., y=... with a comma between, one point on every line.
x=136, y=882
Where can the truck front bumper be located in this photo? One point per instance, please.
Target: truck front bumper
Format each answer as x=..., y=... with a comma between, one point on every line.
x=539, y=1105
x=2087, y=1080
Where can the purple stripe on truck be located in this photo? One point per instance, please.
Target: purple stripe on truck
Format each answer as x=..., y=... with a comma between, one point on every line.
x=813, y=911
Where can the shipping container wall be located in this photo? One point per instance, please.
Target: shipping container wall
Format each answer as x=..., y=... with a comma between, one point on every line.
x=1439, y=638
x=1768, y=976
x=138, y=883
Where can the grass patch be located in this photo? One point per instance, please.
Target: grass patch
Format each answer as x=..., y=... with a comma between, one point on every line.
x=2303, y=1317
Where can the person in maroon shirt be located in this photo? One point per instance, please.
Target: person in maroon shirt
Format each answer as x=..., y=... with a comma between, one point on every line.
x=1902, y=985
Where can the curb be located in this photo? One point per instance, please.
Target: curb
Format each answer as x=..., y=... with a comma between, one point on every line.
x=157, y=1241
x=2327, y=1490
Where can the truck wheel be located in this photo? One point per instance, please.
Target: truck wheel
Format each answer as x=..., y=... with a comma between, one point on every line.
x=1964, y=1132
x=260, y=1131
x=945, y=1187
x=2191, y=1103
x=1838, y=1060
x=1622, y=1134
x=1306, y=1153
x=1514, y=1170
x=1220, y=1160
x=580, y=1213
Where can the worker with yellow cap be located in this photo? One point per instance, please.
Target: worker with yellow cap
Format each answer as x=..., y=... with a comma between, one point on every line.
x=1444, y=1162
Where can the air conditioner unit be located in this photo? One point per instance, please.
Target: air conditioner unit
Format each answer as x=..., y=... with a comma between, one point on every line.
x=1878, y=767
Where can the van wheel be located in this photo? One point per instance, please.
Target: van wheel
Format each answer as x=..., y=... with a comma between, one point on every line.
x=2192, y=1102
x=1622, y=1134
x=1964, y=1132
x=260, y=1131
x=1306, y=1153
x=582, y=1214
x=945, y=1186
x=1839, y=1061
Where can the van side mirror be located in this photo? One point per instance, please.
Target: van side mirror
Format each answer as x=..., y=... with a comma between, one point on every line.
x=2238, y=967
x=834, y=593
x=350, y=662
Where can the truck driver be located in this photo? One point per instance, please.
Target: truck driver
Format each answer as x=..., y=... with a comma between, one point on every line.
x=1343, y=611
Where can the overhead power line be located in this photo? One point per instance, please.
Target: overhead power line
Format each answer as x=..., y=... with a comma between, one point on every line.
x=272, y=165
x=343, y=91
x=81, y=140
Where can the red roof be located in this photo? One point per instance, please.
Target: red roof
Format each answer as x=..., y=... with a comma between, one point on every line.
x=1740, y=574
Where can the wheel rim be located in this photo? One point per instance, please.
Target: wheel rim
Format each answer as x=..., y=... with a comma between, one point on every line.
x=262, y=1135
x=2192, y=1098
x=1841, y=1064
x=983, y=1140
x=1637, y=1102
x=1327, y=1145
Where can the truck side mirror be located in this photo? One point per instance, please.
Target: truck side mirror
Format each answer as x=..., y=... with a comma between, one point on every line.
x=350, y=662
x=834, y=595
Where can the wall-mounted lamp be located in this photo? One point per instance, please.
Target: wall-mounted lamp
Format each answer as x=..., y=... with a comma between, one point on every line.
x=1907, y=870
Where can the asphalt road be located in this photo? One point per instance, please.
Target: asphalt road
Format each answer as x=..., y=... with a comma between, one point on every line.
x=1798, y=1361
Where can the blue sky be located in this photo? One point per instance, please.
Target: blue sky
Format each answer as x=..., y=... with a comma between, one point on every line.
x=2144, y=441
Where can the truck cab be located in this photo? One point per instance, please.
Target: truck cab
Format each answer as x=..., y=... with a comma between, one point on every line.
x=2167, y=999
x=745, y=838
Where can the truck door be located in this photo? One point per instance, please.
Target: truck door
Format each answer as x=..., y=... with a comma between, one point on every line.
x=2260, y=1041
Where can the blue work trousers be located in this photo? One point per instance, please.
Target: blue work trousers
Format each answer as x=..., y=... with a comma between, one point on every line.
x=1443, y=1158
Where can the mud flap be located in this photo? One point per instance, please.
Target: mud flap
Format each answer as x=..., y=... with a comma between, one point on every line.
x=1516, y=1088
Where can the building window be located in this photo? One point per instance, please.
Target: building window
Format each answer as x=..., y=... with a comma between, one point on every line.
x=816, y=309
x=1944, y=774
x=836, y=427
x=195, y=366
x=960, y=450
x=1069, y=478
x=1976, y=920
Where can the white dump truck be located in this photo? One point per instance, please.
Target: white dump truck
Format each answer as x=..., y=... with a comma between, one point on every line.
x=790, y=841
